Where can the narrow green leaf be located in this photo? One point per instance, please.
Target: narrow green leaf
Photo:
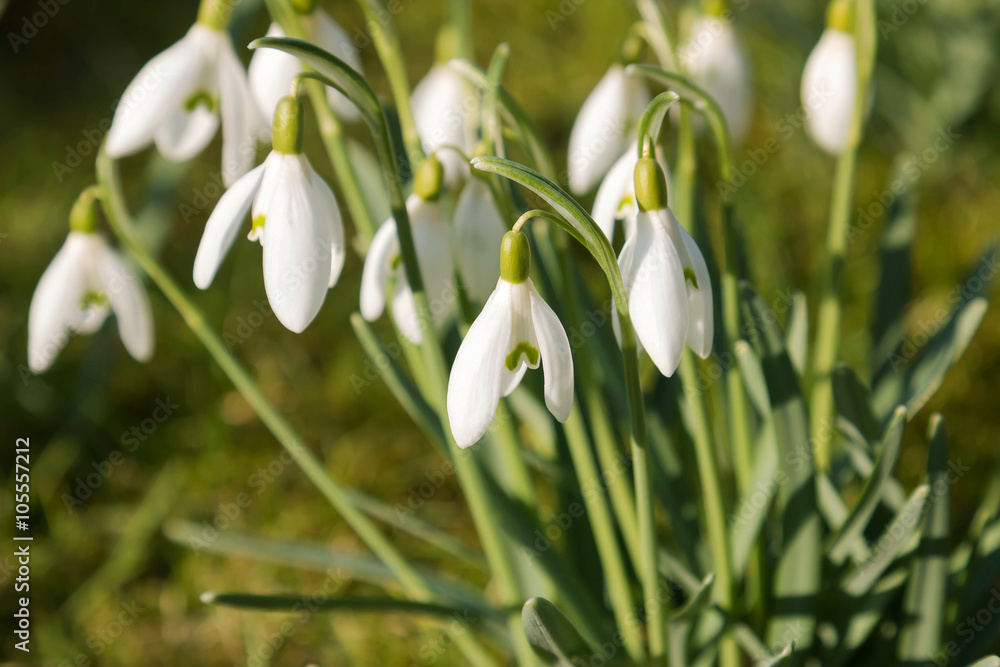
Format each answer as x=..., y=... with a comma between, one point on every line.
x=894, y=540
x=752, y=374
x=552, y=635
x=797, y=574
x=323, y=603
x=749, y=514
x=853, y=402
x=778, y=658
x=797, y=338
x=339, y=74
x=926, y=592
x=853, y=528
x=865, y=614
x=652, y=119
x=371, y=181
x=697, y=602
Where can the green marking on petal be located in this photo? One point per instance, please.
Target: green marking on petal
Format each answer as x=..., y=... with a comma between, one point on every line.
x=396, y=262
x=257, y=222
x=91, y=299
x=690, y=277
x=514, y=358
x=626, y=200
x=197, y=98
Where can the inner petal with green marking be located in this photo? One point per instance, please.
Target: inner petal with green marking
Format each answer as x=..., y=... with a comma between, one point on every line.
x=690, y=277
x=93, y=299
x=529, y=351
x=199, y=98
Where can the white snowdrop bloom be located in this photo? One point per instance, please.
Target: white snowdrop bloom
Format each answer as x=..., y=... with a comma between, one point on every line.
x=666, y=278
x=716, y=60
x=615, y=198
x=384, y=269
x=516, y=330
x=272, y=71
x=603, y=128
x=830, y=82
x=446, y=113
x=479, y=228
x=177, y=98
x=85, y=282
x=296, y=219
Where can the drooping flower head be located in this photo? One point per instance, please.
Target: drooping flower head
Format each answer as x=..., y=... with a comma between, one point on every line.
x=666, y=278
x=516, y=330
x=615, y=198
x=177, y=98
x=604, y=126
x=830, y=81
x=85, y=282
x=272, y=71
x=294, y=216
x=716, y=60
x=446, y=113
x=384, y=275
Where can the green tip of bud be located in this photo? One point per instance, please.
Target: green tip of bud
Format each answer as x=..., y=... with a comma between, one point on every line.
x=215, y=14
x=286, y=131
x=840, y=15
x=716, y=8
x=515, y=257
x=304, y=6
x=428, y=179
x=83, y=215
x=650, y=185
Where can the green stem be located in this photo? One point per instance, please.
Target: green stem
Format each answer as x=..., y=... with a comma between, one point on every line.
x=390, y=53
x=461, y=26
x=828, y=318
x=608, y=549
x=522, y=488
x=332, y=132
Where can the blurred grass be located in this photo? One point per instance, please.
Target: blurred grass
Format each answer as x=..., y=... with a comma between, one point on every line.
x=58, y=92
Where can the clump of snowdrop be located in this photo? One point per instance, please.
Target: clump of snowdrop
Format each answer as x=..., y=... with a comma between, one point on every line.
x=665, y=275
x=384, y=275
x=604, y=126
x=84, y=283
x=715, y=59
x=830, y=81
x=516, y=330
x=272, y=71
x=294, y=216
x=176, y=100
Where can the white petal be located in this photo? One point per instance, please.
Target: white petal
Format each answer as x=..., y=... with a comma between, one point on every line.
x=479, y=229
x=437, y=268
x=602, y=129
x=718, y=63
x=327, y=34
x=382, y=252
x=183, y=134
x=829, y=89
x=557, y=359
x=241, y=120
x=271, y=73
x=129, y=301
x=297, y=244
x=162, y=85
x=511, y=379
x=475, y=381
x=55, y=305
x=223, y=226
x=615, y=198
x=404, y=311
x=701, y=329
x=446, y=111
x=654, y=281
x=326, y=204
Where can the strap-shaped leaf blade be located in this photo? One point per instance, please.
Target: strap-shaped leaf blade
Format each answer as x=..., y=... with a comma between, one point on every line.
x=551, y=634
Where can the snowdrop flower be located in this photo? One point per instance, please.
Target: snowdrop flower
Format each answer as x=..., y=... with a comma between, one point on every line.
x=603, y=128
x=446, y=113
x=296, y=219
x=479, y=228
x=176, y=99
x=384, y=266
x=665, y=276
x=84, y=283
x=716, y=61
x=615, y=198
x=830, y=81
x=272, y=71
x=516, y=330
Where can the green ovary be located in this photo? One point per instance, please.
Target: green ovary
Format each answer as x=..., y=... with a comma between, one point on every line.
x=514, y=358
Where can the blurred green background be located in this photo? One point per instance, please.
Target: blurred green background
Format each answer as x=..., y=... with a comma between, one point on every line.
x=104, y=561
